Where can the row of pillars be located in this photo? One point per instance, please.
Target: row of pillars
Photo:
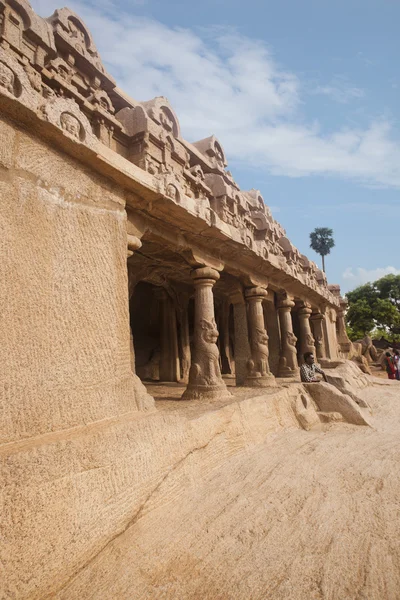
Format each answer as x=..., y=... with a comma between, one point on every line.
x=251, y=339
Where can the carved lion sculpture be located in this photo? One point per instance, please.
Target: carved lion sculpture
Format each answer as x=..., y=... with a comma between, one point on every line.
x=205, y=366
x=258, y=364
x=310, y=339
x=289, y=358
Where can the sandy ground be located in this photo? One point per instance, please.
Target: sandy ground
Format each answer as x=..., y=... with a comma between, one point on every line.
x=305, y=515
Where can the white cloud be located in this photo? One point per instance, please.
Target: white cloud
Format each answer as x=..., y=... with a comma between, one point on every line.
x=359, y=276
x=221, y=82
x=339, y=90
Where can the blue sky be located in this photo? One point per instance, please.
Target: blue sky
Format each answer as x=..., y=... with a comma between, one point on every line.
x=303, y=95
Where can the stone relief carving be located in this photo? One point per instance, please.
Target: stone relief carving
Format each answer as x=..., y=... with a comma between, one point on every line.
x=71, y=125
x=61, y=74
x=288, y=359
x=291, y=339
x=172, y=192
x=310, y=339
x=258, y=365
x=205, y=366
x=7, y=78
x=34, y=77
x=152, y=167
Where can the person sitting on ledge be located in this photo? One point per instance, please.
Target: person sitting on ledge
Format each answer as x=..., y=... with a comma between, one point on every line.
x=309, y=368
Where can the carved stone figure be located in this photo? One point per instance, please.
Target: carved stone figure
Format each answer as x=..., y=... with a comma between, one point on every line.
x=152, y=168
x=7, y=78
x=310, y=339
x=172, y=192
x=70, y=124
x=205, y=366
x=258, y=364
x=288, y=366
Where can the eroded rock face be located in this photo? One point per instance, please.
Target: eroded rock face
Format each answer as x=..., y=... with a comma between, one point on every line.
x=100, y=195
x=329, y=399
x=236, y=474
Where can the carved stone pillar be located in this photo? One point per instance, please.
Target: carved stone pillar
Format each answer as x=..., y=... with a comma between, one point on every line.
x=306, y=337
x=342, y=337
x=241, y=339
x=226, y=358
x=317, y=319
x=288, y=365
x=205, y=379
x=169, y=356
x=258, y=372
x=184, y=340
x=133, y=244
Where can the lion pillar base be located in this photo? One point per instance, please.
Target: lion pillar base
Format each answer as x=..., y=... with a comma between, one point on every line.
x=205, y=380
x=205, y=392
x=260, y=381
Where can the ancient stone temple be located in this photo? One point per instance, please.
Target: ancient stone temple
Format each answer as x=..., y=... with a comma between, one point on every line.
x=128, y=256
x=101, y=194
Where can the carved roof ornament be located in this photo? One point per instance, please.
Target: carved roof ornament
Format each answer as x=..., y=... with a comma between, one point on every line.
x=25, y=31
x=100, y=99
x=212, y=149
x=74, y=35
x=161, y=112
x=52, y=67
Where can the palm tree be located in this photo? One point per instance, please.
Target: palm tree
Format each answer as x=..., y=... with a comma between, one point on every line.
x=321, y=242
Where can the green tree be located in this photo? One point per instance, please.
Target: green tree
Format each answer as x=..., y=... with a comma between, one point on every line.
x=374, y=309
x=322, y=242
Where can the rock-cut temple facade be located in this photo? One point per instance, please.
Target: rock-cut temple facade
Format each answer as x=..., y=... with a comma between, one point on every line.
x=129, y=254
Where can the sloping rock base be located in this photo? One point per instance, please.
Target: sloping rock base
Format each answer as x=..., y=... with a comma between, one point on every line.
x=270, y=494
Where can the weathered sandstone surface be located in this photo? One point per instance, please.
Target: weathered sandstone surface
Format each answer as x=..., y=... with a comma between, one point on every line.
x=133, y=267
x=223, y=500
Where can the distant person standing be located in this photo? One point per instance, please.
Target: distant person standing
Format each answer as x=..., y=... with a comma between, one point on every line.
x=396, y=359
x=390, y=366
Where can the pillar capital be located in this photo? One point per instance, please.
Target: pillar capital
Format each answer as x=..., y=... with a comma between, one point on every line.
x=284, y=299
x=256, y=293
x=205, y=273
x=305, y=308
x=317, y=316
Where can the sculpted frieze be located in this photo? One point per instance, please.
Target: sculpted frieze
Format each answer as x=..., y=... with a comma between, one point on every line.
x=8, y=80
x=75, y=34
x=66, y=114
x=56, y=71
x=15, y=83
x=101, y=100
x=72, y=125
